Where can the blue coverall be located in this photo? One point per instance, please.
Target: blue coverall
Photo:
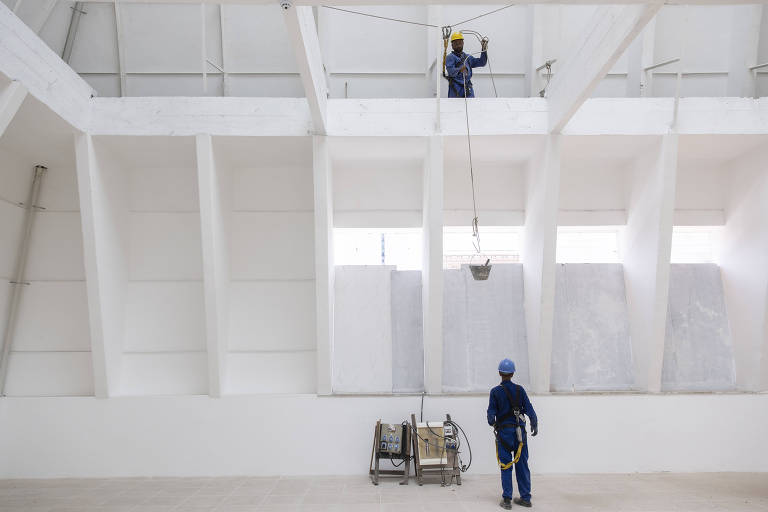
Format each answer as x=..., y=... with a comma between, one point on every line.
x=499, y=407
x=456, y=78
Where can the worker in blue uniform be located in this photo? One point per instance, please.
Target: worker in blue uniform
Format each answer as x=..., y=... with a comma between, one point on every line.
x=507, y=408
x=458, y=66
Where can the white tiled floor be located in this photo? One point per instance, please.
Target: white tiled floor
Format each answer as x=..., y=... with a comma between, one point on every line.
x=568, y=493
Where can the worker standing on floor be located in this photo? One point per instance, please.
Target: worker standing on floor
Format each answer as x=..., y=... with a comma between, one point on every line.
x=459, y=66
x=507, y=408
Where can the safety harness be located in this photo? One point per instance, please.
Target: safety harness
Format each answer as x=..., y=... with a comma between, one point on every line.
x=514, y=411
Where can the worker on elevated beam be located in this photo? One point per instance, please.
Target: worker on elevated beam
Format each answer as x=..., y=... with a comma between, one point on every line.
x=507, y=408
x=459, y=67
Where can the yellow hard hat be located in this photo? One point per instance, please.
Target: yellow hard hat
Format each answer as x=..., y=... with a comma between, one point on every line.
x=457, y=35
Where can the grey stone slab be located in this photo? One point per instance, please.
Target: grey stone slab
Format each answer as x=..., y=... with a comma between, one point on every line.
x=698, y=354
x=483, y=322
x=591, y=344
x=407, y=334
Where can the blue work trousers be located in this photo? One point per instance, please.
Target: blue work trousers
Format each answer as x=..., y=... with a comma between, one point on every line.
x=522, y=473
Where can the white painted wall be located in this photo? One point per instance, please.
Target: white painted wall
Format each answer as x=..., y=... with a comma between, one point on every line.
x=197, y=436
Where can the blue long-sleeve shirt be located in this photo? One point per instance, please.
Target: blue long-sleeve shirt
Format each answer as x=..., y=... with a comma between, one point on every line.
x=453, y=63
x=499, y=406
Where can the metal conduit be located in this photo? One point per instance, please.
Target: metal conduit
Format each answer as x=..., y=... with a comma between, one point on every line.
x=21, y=264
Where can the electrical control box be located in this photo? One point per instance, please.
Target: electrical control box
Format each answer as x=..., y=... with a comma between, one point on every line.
x=391, y=438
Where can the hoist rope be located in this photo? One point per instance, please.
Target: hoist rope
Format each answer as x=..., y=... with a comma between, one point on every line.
x=482, y=15
x=475, y=227
x=381, y=17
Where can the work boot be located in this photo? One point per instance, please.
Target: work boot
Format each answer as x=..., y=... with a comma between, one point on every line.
x=506, y=504
x=522, y=502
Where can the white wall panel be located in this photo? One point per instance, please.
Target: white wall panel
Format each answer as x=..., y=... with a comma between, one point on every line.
x=173, y=85
x=148, y=47
x=97, y=25
x=280, y=85
x=163, y=189
x=106, y=86
x=165, y=374
x=346, y=40
x=49, y=374
x=11, y=225
x=593, y=184
x=165, y=246
x=497, y=186
x=382, y=185
x=164, y=316
x=698, y=353
x=161, y=436
x=54, y=31
x=384, y=85
x=272, y=188
x=362, y=344
x=53, y=316
x=272, y=315
x=280, y=373
x=272, y=246
x=56, y=247
x=591, y=347
x=15, y=174
x=701, y=185
x=59, y=190
x=256, y=40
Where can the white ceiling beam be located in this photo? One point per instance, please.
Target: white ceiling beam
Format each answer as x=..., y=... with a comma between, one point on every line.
x=25, y=58
x=432, y=2
x=290, y=117
x=10, y=102
x=300, y=22
x=610, y=31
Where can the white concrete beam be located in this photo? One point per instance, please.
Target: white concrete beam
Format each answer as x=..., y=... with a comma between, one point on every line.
x=324, y=267
x=25, y=58
x=10, y=102
x=433, y=2
x=539, y=246
x=300, y=22
x=290, y=117
x=105, y=268
x=213, y=220
x=647, y=250
x=745, y=37
x=743, y=267
x=432, y=271
x=610, y=31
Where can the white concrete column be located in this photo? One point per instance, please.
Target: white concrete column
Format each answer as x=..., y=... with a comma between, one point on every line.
x=744, y=268
x=216, y=279
x=534, y=51
x=647, y=249
x=745, y=37
x=11, y=99
x=539, y=246
x=103, y=209
x=324, y=269
x=432, y=271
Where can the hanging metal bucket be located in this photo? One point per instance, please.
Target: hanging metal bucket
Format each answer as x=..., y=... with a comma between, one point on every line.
x=481, y=272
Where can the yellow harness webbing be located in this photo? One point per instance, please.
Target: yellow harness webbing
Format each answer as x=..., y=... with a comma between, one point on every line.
x=514, y=461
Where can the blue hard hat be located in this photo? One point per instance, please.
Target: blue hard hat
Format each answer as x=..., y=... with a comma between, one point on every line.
x=507, y=366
